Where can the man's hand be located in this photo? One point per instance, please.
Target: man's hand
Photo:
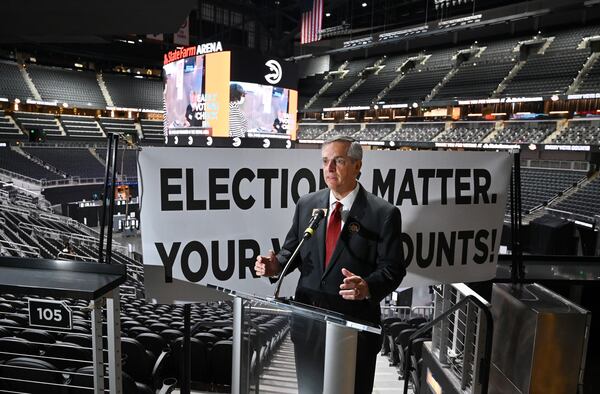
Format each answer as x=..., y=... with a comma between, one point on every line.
x=354, y=287
x=267, y=265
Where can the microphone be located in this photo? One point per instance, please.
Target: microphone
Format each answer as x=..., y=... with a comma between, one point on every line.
x=309, y=232
x=314, y=223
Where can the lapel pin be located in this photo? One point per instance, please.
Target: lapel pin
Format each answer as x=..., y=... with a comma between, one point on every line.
x=353, y=227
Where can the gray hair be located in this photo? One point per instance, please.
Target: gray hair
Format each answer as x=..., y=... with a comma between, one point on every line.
x=355, y=151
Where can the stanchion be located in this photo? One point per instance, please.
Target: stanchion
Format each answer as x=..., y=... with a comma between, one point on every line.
x=517, y=272
x=108, y=198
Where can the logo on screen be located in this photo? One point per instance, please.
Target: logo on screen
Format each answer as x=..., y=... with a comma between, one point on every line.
x=275, y=71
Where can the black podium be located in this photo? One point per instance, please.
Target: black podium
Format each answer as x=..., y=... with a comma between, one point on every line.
x=81, y=280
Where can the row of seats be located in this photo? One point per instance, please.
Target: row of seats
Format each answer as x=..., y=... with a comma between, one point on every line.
x=539, y=185
x=72, y=161
x=79, y=88
x=548, y=73
x=582, y=132
x=151, y=334
x=584, y=201
x=15, y=162
x=77, y=125
x=396, y=334
x=479, y=71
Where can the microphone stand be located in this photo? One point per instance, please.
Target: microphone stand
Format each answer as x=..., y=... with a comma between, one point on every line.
x=308, y=233
x=286, y=268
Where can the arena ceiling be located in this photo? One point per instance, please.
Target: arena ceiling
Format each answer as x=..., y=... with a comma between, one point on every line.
x=95, y=30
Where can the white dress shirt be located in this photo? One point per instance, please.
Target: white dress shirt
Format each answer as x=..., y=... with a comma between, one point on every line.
x=346, y=202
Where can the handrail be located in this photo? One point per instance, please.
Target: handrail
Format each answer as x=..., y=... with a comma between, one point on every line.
x=20, y=247
x=76, y=256
x=22, y=177
x=48, y=230
x=484, y=372
x=14, y=208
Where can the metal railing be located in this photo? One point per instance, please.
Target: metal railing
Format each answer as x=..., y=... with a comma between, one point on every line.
x=56, y=234
x=74, y=180
x=407, y=312
x=462, y=330
x=23, y=250
x=63, y=372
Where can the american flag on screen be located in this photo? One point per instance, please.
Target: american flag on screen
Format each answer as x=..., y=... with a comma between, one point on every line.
x=312, y=21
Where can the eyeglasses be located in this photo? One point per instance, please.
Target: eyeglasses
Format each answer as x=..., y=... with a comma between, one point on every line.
x=339, y=161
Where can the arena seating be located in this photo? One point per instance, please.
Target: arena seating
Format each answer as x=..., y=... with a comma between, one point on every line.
x=416, y=85
x=117, y=125
x=77, y=88
x=126, y=161
x=340, y=129
x=375, y=132
x=7, y=126
x=466, y=132
x=80, y=126
x=131, y=92
x=153, y=130
x=308, y=87
x=418, y=132
x=310, y=131
x=542, y=74
x=480, y=76
x=524, y=132
x=396, y=331
x=582, y=132
x=12, y=84
x=72, y=161
x=151, y=333
x=584, y=201
x=539, y=185
x=41, y=122
x=590, y=83
x=420, y=81
x=341, y=83
x=554, y=71
x=366, y=92
x=546, y=74
x=15, y=162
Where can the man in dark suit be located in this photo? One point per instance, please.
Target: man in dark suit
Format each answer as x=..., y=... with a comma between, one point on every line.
x=353, y=261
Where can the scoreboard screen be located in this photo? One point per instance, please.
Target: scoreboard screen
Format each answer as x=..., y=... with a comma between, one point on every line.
x=214, y=92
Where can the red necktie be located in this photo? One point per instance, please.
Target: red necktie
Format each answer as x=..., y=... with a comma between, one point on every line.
x=334, y=227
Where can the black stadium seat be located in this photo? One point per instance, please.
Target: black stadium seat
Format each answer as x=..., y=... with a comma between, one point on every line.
x=138, y=362
x=68, y=355
x=35, y=335
x=12, y=346
x=153, y=342
x=170, y=335
x=78, y=339
x=219, y=360
x=83, y=379
x=16, y=376
x=206, y=337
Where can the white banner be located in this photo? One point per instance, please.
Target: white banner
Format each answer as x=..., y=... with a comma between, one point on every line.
x=182, y=36
x=207, y=213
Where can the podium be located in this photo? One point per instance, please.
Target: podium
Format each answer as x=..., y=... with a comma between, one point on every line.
x=341, y=334
x=74, y=279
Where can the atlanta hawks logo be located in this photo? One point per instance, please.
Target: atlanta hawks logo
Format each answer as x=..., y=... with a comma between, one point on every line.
x=275, y=72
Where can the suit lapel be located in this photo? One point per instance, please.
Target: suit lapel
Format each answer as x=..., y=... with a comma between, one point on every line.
x=355, y=215
x=319, y=237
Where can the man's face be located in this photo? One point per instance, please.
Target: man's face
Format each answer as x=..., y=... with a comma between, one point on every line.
x=339, y=170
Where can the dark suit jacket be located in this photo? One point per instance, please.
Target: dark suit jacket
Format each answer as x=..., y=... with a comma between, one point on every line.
x=369, y=246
